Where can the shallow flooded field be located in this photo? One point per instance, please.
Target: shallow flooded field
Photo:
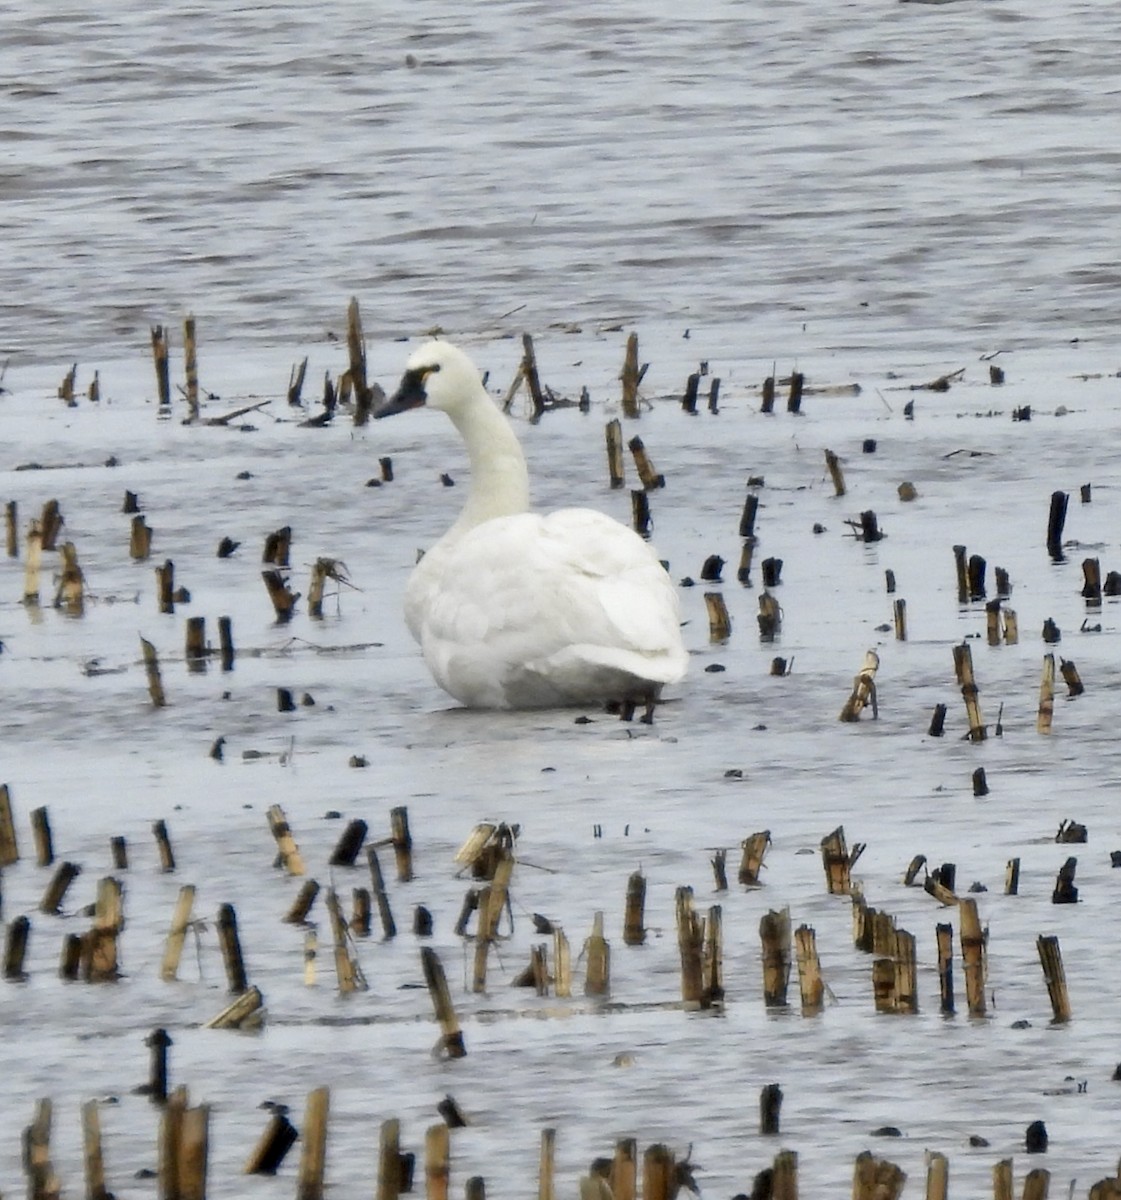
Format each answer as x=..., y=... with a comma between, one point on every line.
x=734, y=750
x=874, y=194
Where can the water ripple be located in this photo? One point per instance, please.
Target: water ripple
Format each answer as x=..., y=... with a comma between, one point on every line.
x=477, y=161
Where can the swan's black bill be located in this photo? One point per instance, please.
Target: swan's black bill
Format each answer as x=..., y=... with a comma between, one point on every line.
x=410, y=394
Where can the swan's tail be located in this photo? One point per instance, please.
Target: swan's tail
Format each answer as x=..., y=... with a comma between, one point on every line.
x=584, y=674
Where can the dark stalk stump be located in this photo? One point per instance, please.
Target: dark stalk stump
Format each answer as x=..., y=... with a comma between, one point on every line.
x=1055, y=522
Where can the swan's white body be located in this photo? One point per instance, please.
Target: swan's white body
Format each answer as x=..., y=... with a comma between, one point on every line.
x=517, y=610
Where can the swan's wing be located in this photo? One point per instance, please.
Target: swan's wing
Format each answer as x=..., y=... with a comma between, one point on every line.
x=607, y=573
x=528, y=609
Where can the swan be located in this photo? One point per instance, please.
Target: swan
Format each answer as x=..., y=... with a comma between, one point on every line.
x=513, y=609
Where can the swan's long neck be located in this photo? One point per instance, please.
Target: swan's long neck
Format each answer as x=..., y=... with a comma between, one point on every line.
x=499, y=478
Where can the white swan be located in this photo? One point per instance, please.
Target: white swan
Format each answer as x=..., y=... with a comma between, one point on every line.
x=517, y=610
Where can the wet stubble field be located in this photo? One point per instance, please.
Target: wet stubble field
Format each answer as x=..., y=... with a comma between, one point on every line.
x=733, y=750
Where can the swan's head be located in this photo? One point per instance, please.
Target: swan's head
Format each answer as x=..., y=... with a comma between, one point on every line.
x=438, y=375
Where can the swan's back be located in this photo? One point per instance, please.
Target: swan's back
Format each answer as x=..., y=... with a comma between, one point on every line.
x=535, y=611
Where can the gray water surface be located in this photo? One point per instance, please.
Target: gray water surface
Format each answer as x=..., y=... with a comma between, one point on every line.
x=877, y=193
x=887, y=171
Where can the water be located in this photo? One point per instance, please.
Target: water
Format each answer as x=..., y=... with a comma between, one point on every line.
x=737, y=750
x=878, y=192
x=923, y=174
